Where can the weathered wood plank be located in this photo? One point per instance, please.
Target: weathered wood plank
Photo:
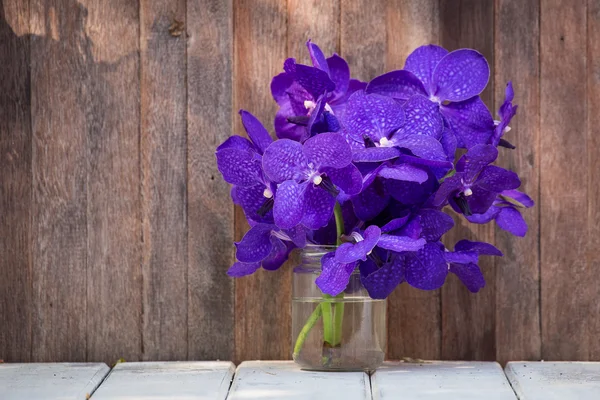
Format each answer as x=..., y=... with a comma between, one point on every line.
x=316, y=20
x=593, y=167
x=67, y=381
x=114, y=285
x=363, y=37
x=441, y=380
x=554, y=380
x=210, y=212
x=61, y=61
x=168, y=380
x=569, y=289
x=164, y=174
x=263, y=327
x=285, y=380
x=517, y=57
x=414, y=316
x=15, y=183
x=468, y=320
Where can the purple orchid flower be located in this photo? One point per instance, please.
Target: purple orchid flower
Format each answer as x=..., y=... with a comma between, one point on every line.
x=309, y=176
x=506, y=112
x=239, y=161
x=337, y=267
x=452, y=81
x=299, y=89
x=266, y=245
x=475, y=185
x=463, y=262
x=505, y=211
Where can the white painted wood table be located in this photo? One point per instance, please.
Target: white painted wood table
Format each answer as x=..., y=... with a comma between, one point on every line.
x=555, y=380
x=271, y=380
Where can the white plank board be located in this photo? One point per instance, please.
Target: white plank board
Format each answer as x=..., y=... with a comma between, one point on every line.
x=64, y=381
x=167, y=380
x=270, y=380
x=555, y=380
x=447, y=380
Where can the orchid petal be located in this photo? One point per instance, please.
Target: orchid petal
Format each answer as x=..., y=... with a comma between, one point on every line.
x=372, y=115
x=399, y=84
x=318, y=207
x=240, y=269
x=375, y=154
x=426, y=147
x=382, y=282
x=334, y=275
x=511, y=220
x=239, y=167
x=339, y=72
x=498, y=179
x=470, y=275
x=349, y=178
x=256, y=131
x=328, y=150
x=422, y=117
x=284, y=160
x=404, y=172
x=480, y=248
x=400, y=243
x=288, y=208
x=317, y=57
x=255, y=245
x=426, y=269
x=434, y=224
x=460, y=75
x=470, y=121
x=422, y=62
x=351, y=252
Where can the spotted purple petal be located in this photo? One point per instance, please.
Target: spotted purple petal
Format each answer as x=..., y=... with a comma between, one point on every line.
x=283, y=160
x=278, y=255
x=315, y=81
x=460, y=75
x=239, y=167
x=318, y=207
x=236, y=142
x=375, y=154
x=470, y=275
x=461, y=257
x=481, y=199
x=399, y=84
x=349, y=178
x=478, y=247
x=288, y=208
x=470, y=121
x=334, y=276
x=475, y=160
x=251, y=199
x=371, y=201
x=255, y=245
x=403, y=172
x=339, y=72
x=447, y=189
x=279, y=85
x=400, y=243
x=256, y=131
x=497, y=179
x=438, y=167
x=328, y=150
x=317, y=57
x=434, y=224
x=422, y=62
x=484, y=218
x=240, y=269
x=449, y=143
x=422, y=118
x=286, y=130
x=372, y=115
x=395, y=224
x=510, y=220
x=427, y=268
x=520, y=197
x=382, y=282
x=410, y=193
x=350, y=252
x=412, y=229
x=426, y=147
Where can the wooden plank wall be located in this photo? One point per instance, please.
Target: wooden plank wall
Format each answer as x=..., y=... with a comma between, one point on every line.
x=116, y=229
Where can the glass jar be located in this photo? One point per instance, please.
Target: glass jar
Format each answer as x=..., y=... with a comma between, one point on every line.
x=342, y=333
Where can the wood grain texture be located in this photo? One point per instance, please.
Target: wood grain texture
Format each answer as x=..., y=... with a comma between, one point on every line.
x=61, y=62
x=315, y=20
x=164, y=175
x=285, y=380
x=554, y=380
x=363, y=37
x=263, y=324
x=445, y=380
x=114, y=285
x=414, y=316
x=468, y=320
x=47, y=381
x=593, y=167
x=517, y=35
x=168, y=380
x=210, y=212
x=15, y=183
x=569, y=289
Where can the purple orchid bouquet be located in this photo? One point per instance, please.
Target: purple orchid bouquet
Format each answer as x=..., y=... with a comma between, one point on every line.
x=370, y=167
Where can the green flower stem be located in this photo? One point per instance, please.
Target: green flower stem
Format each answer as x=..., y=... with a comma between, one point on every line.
x=338, y=307
x=312, y=320
x=327, y=319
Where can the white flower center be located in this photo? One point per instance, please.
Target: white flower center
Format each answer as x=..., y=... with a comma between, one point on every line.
x=317, y=179
x=468, y=192
x=435, y=99
x=384, y=142
x=507, y=129
x=268, y=193
x=357, y=237
x=309, y=104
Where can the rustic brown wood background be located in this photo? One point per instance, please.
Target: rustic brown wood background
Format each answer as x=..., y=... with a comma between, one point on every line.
x=116, y=229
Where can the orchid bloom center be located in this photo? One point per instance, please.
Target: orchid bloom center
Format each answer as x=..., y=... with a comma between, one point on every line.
x=435, y=99
x=468, y=192
x=385, y=142
x=317, y=179
x=268, y=193
x=357, y=237
x=309, y=105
